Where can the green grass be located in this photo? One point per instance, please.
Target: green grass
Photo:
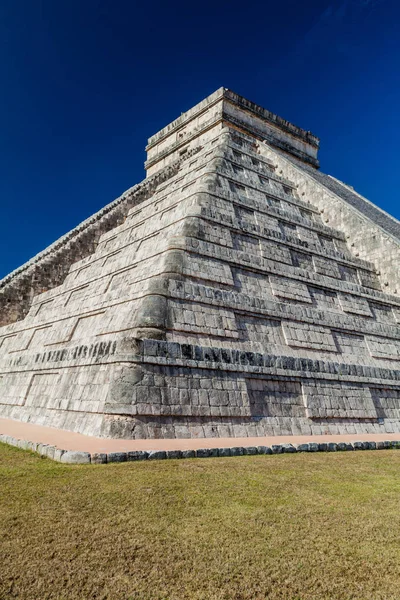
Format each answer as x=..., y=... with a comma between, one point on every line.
x=299, y=527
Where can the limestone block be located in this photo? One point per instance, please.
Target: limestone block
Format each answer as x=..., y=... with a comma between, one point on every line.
x=250, y=450
x=290, y=289
x=308, y=336
x=264, y=450
x=275, y=251
x=354, y=304
x=174, y=454
x=206, y=452
x=303, y=448
x=157, y=455
x=58, y=453
x=116, y=457
x=383, y=347
x=326, y=267
x=137, y=455
x=98, y=458
x=75, y=457
x=188, y=453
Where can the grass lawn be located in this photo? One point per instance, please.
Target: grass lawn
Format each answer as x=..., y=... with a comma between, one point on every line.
x=298, y=527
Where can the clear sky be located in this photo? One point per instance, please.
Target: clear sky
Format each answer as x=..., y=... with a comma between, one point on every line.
x=84, y=83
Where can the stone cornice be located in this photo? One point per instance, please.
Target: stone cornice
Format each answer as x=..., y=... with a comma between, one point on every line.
x=243, y=103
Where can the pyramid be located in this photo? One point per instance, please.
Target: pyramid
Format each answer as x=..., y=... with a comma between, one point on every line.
x=236, y=291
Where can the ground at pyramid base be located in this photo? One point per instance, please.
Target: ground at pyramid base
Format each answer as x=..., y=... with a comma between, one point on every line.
x=237, y=291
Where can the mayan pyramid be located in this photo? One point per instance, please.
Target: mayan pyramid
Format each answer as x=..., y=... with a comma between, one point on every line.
x=236, y=291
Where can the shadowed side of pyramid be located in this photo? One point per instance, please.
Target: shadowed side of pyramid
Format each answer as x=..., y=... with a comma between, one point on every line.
x=225, y=302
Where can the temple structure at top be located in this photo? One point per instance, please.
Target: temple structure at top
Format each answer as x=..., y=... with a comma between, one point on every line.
x=236, y=291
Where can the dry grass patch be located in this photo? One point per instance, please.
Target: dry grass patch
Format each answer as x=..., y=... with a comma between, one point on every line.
x=298, y=527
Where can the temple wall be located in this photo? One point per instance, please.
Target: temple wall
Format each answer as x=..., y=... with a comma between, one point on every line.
x=49, y=268
x=366, y=237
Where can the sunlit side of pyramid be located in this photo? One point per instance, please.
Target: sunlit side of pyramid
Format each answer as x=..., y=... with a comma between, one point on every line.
x=236, y=291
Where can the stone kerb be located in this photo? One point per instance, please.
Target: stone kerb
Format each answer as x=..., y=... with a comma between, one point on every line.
x=74, y=457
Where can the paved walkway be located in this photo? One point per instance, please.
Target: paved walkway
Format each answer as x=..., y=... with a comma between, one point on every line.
x=67, y=440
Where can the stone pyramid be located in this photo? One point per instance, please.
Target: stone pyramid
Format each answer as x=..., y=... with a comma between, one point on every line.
x=236, y=291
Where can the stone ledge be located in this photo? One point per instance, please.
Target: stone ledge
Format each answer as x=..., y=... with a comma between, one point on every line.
x=80, y=242
x=81, y=457
x=194, y=356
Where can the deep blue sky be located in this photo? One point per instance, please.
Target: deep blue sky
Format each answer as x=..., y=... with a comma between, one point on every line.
x=84, y=83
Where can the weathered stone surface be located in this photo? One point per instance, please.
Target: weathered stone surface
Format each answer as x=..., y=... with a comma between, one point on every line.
x=137, y=455
x=224, y=452
x=174, y=454
x=303, y=447
x=343, y=446
x=359, y=446
x=250, y=450
x=313, y=447
x=289, y=448
x=206, y=452
x=48, y=451
x=98, y=458
x=157, y=455
x=188, y=453
x=236, y=292
x=116, y=457
x=237, y=451
x=277, y=449
x=370, y=445
x=385, y=445
x=264, y=450
x=23, y=444
x=58, y=453
x=75, y=457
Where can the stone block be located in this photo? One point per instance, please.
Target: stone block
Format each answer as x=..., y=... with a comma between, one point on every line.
x=98, y=458
x=370, y=445
x=237, y=451
x=224, y=452
x=345, y=446
x=313, y=447
x=48, y=451
x=250, y=450
x=188, y=453
x=23, y=444
x=174, y=454
x=116, y=457
x=384, y=445
x=75, y=457
x=289, y=448
x=303, y=447
x=137, y=455
x=42, y=449
x=58, y=454
x=264, y=450
x=359, y=445
x=206, y=452
x=157, y=455
x=277, y=449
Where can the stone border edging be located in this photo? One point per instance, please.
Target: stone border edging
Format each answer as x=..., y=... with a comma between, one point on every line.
x=80, y=457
